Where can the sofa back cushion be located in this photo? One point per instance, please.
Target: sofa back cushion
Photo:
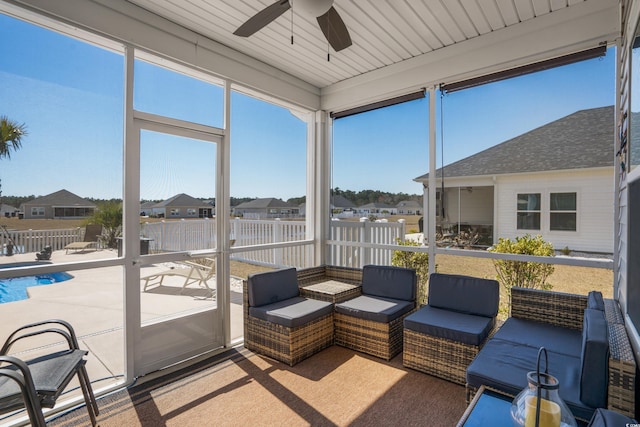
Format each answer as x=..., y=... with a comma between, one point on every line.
x=272, y=286
x=594, y=359
x=595, y=300
x=389, y=282
x=464, y=294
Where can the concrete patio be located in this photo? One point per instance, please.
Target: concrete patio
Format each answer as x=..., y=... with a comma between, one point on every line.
x=92, y=301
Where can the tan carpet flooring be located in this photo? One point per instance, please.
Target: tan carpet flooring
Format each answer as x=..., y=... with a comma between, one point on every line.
x=336, y=387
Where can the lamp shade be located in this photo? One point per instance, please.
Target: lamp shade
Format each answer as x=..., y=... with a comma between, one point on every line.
x=539, y=404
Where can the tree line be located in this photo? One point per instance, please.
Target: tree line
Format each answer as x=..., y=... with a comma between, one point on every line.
x=358, y=198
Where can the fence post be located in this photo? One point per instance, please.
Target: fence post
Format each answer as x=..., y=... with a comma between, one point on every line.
x=364, y=238
x=277, y=237
x=235, y=234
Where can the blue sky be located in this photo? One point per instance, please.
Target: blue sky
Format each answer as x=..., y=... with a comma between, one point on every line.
x=70, y=96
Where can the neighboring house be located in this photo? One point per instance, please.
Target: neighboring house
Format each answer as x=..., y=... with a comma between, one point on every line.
x=182, y=206
x=8, y=211
x=555, y=181
x=409, y=207
x=266, y=208
x=340, y=204
x=377, y=209
x=146, y=208
x=341, y=207
x=59, y=205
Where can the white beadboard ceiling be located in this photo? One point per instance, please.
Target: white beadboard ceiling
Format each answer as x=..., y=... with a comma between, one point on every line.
x=384, y=32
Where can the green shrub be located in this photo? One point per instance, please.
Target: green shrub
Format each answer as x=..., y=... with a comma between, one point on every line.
x=109, y=215
x=419, y=261
x=521, y=273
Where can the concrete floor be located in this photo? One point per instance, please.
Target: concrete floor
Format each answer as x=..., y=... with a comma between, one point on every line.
x=92, y=301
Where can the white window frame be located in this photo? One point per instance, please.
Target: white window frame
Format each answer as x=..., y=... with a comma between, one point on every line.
x=538, y=211
x=575, y=211
x=38, y=211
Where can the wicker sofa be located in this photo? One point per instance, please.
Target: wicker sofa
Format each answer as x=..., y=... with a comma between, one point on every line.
x=588, y=348
x=443, y=337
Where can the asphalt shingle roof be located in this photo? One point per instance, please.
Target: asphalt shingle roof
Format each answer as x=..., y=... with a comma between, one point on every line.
x=181, y=200
x=269, y=202
x=61, y=198
x=580, y=140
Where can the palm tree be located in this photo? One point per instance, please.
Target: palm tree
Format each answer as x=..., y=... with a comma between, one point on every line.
x=11, y=134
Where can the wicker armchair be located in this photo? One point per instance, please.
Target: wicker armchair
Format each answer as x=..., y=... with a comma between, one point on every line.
x=281, y=324
x=443, y=337
x=372, y=322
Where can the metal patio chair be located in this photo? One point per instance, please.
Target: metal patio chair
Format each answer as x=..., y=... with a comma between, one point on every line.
x=37, y=383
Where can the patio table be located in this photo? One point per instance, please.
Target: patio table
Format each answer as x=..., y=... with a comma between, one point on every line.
x=331, y=290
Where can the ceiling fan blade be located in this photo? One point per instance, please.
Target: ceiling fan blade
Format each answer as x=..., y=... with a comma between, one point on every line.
x=334, y=29
x=262, y=18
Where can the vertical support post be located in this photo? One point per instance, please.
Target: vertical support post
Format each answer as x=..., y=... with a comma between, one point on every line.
x=223, y=220
x=319, y=184
x=131, y=225
x=431, y=223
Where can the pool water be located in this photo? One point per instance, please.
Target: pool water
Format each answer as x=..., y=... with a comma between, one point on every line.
x=15, y=289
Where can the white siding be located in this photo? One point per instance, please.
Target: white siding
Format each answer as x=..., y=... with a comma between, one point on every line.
x=595, y=208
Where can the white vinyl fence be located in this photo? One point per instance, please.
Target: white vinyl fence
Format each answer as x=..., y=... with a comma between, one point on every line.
x=26, y=241
x=355, y=243
x=360, y=243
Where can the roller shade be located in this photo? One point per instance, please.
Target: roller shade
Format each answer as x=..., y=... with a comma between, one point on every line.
x=526, y=69
x=380, y=104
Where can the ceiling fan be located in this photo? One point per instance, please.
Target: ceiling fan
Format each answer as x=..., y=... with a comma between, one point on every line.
x=328, y=19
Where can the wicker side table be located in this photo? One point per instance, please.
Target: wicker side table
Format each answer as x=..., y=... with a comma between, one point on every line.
x=331, y=290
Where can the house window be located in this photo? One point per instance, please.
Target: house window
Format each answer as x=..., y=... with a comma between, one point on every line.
x=37, y=211
x=562, y=211
x=191, y=212
x=174, y=212
x=529, y=211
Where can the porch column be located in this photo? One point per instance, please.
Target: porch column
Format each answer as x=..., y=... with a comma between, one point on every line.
x=319, y=184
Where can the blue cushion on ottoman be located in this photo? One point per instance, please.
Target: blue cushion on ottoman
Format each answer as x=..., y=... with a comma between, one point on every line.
x=503, y=365
x=389, y=282
x=595, y=359
x=465, y=294
x=272, y=286
x=459, y=327
x=292, y=312
x=377, y=309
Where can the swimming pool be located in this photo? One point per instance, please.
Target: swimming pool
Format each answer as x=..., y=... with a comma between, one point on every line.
x=15, y=288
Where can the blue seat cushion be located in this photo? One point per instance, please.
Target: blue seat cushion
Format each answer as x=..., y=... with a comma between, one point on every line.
x=594, y=359
x=504, y=365
x=465, y=294
x=376, y=309
x=272, y=286
x=607, y=418
x=389, y=282
x=459, y=327
x=595, y=300
x=292, y=313
x=537, y=334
